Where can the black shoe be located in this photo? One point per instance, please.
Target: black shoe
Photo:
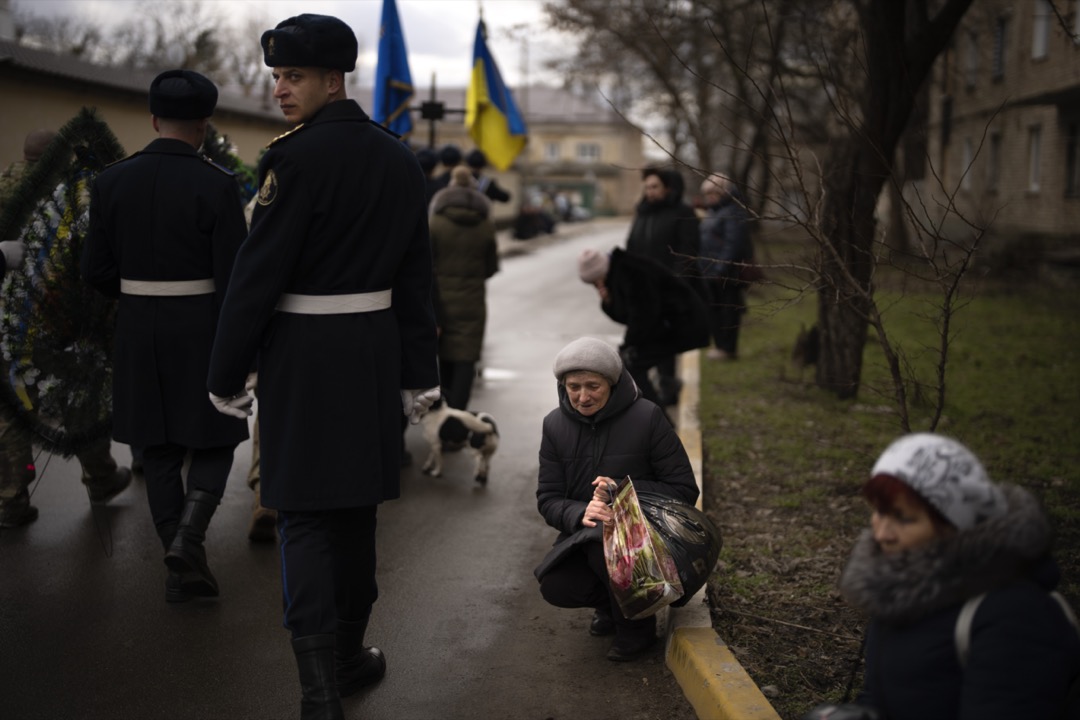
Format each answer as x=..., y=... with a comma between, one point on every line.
x=356, y=665
x=186, y=555
x=17, y=511
x=670, y=387
x=633, y=638
x=601, y=624
x=104, y=492
x=174, y=588
x=625, y=650
x=366, y=668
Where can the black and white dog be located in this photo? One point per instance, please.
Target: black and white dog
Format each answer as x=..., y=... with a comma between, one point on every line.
x=449, y=430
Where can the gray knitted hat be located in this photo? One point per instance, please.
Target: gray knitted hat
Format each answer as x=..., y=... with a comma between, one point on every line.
x=593, y=265
x=590, y=354
x=946, y=474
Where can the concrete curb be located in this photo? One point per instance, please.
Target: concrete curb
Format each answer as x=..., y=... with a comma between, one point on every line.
x=710, y=676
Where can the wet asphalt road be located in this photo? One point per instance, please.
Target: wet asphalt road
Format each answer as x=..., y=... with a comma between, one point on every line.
x=85, y=632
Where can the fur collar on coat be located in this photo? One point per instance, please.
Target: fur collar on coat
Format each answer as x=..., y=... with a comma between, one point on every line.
x=910, y=585
x=460, y=197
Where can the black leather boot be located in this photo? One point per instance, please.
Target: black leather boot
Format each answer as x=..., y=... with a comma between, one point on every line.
x=174, y=584
x=315, y=662
x=186, y=554
x=357, y=666
x=602, y=623
x=633, y=638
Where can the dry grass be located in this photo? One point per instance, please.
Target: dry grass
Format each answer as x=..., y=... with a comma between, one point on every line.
x=784, y=462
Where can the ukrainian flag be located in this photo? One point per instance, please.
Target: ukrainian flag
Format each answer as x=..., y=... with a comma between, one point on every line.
x=393, y=82
x=491, y=116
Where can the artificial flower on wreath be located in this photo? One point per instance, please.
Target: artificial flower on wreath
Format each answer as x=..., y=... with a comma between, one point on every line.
x=55, y=332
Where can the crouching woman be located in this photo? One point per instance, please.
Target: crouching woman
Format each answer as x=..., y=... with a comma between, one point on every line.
x=603, y=430
x=943, y=538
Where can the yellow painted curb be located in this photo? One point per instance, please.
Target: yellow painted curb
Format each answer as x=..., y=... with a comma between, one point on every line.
x=712, y=679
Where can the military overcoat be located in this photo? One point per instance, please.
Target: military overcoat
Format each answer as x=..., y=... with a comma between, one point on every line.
x=165, y=214
x=341, y=210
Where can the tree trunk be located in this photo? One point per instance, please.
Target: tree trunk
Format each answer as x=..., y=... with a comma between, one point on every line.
x=897, y=237
x=846, y=269
x=900, y=42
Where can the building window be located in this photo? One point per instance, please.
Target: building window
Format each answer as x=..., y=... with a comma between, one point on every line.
x=1034, y=159
x=1040, y=29
x=965, y=168
x=1072, y=160
x=997, y=65
x=993, y=162
x=552, y=151
x=971, y=60
x=588, y=152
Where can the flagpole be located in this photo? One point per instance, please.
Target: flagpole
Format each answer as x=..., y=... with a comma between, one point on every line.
x=431, y=128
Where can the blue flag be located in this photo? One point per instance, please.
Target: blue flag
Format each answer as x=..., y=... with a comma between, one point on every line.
x=393, y=82
x=491, y=116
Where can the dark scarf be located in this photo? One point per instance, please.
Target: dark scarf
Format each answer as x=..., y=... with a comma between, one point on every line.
x=670, y=200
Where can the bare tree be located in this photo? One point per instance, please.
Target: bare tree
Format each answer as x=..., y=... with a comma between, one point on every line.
x=823, y=124
x=243, y=55
x=899, y=43
x=694, y=67
x=60, y=34
x=161, y=34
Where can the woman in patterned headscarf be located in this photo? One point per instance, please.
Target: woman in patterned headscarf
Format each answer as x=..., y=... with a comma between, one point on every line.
x=956, y=575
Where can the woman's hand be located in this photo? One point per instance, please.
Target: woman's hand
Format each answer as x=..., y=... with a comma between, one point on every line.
x=598, y=508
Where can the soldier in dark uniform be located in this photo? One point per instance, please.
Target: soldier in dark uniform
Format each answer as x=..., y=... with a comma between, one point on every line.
x=477, y=161
x=165, y=227
x=332, y=294
x=449, y=158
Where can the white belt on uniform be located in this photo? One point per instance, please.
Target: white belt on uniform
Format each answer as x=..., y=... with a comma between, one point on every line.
x=334, y=304
x=167, y=288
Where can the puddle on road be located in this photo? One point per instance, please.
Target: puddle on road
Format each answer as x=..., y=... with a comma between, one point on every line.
x=489, y=373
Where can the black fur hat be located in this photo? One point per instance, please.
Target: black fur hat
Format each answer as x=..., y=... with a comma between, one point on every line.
x=427, y=159
x=476, y=159
x=310, y=41
x=450, y=155
x=182, y=95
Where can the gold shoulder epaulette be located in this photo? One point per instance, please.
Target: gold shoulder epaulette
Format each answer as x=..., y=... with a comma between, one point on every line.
x=124, y=159
x=214, y=165
x=281, y=137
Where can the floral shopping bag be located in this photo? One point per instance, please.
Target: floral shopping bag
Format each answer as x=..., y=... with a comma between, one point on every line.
x=641, y=571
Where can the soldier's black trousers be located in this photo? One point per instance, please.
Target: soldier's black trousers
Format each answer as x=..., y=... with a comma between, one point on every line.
x=162, y=466
x=327, y=568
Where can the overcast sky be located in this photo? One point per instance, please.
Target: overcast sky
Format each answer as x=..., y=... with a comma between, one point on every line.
x=438, y=33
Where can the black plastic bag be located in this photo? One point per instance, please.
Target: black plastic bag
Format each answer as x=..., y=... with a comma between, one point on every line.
x=690, y=536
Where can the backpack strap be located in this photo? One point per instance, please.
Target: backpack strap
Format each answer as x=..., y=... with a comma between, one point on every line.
x=962, y=632
x=1066, y=608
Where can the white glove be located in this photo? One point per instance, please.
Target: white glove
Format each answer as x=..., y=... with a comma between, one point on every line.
x=13, y=251
x=414, y=403
x=238, y=405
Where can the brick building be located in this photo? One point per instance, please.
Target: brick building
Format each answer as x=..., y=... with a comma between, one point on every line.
x=1004, y=131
